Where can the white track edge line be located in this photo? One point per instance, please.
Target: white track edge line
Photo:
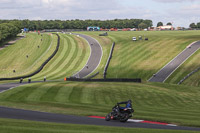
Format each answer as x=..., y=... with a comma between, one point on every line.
x=90, y=54
x=173, y=59
x=181, y=64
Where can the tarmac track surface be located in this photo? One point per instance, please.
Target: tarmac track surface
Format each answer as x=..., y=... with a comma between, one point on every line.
x=70, y=119
x=167, y=70
x=94, y=59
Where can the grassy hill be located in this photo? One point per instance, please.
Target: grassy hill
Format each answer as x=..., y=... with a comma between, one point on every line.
x=141, y=59
x=15, y=57
x=152, y=101
x=71, y=57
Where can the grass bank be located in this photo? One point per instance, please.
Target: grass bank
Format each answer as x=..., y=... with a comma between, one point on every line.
x=157, y=102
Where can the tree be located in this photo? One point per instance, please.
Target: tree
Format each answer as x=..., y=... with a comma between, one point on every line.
x=149, y=23
x=193, y=25
x=198, y=25
x=142, y=25
x=159, y=24
x=169, y=23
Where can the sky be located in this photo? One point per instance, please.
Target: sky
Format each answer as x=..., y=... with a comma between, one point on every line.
x=179, y=12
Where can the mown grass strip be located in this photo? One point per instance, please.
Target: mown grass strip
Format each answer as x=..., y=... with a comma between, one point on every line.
x=157, y=102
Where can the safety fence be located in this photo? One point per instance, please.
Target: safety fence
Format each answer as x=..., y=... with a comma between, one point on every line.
x=190, y=74
x=108, y=61
x=138, y=80
x=40, y=68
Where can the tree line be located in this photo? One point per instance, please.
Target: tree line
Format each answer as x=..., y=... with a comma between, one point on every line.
x=8, y=30
x=82, y=24
x=161, y=24
x=195, y=26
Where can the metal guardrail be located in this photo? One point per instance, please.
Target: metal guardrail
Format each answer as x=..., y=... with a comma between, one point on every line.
x=190, y=74
x=108, y=61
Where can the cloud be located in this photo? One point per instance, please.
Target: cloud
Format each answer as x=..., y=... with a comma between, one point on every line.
x=173, y=1
x=178, y=11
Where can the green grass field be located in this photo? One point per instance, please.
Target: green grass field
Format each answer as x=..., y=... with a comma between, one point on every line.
x=14, y=56
x=21, y=126
x=157, y=102
x=71, y=58
x=141, y=59
x=177, y=104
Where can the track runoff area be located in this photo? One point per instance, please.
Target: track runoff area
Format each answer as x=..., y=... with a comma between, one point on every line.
x=12, y=113
x=138, y=121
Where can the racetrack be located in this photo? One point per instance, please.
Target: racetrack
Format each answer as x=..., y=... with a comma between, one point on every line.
x=168, y=69
x=94, y=59
x=59, y=118
x=91, y=65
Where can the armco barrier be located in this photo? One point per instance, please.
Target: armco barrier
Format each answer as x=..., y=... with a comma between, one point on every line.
x=138, y=80
x=108, y=61
x=40, y=68
x=190, y=74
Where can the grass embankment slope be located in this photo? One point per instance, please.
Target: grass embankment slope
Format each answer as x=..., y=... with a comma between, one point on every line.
x=70, y=58
x=20, y=126
x=157, y=102
x=141, y=59
x=14, y=57
x=72, y=55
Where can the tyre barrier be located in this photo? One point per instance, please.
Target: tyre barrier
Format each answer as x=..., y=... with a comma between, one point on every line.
x=40, y=68
x=138, y=80
x=190, y=74
x=108, y=61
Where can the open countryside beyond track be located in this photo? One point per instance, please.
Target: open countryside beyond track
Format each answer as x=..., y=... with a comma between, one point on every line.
x=165, y=72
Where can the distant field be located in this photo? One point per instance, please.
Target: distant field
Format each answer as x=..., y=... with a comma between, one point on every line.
x=157, y=102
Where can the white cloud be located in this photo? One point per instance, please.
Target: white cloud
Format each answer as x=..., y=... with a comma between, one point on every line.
x=173, y=1
x=180, y=13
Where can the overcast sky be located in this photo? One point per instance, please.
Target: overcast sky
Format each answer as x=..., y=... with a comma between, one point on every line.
x=179, y=12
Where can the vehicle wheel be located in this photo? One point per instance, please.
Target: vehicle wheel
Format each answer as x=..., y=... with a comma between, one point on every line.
x=108, y=117
x=124, y=118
